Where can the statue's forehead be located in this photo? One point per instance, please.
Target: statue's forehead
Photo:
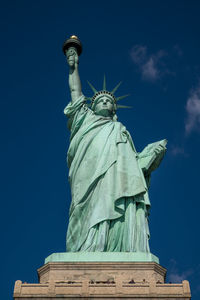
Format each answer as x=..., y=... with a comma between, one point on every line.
x=104, y=96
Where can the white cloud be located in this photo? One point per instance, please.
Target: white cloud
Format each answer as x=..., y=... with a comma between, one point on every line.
x=138, y=54
x=149, y=70
x=151, y=66
x=176, y=276
x=179, y=277
x=177, y=150
x=193, y=111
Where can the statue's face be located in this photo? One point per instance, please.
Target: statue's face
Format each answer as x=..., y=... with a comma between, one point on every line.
x=104, y=106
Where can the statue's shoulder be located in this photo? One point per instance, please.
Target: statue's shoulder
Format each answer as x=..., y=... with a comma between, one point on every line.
x=74, y=106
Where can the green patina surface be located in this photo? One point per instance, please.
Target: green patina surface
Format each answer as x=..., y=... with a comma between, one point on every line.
x=102, y=257
x=109, y=179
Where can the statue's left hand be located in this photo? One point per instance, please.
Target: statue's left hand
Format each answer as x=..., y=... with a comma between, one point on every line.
x=150, y=158
x=160, y=149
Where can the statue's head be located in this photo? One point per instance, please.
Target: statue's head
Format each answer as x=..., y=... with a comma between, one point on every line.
x=104, y=103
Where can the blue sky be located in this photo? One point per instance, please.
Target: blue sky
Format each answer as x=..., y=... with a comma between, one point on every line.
x=153, y=47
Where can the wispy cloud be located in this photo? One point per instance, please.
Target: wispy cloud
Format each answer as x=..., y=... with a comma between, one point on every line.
x=191, y=274
x=149, y=70
x=177, y=150
x=192, y=120
x=175, y=275
x=179, y=277
x=151, y=66
x=193, y=111
x=139, y=54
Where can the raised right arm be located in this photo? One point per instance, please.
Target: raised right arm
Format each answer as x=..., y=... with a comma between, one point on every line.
x=74, y=79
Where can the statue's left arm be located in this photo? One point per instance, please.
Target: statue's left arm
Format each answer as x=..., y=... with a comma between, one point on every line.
x=157, y=158
x=150, y=158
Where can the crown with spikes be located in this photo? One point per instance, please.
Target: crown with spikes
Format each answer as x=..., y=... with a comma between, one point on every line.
x=97, y=94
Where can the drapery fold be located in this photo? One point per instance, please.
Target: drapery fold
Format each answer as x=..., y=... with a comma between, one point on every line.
x=106, y=183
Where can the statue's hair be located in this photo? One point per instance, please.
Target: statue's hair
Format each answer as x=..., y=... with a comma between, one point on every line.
x=99, y=94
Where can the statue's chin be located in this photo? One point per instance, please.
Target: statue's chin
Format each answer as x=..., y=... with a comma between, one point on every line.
x=104, y=113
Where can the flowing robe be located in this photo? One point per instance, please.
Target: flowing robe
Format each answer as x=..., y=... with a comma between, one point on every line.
x=109, y=206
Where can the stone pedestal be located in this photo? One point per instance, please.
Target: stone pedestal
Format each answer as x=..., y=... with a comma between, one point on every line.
x=103, y=280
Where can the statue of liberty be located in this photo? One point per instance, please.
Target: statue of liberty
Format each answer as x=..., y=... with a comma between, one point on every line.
x=109, y=179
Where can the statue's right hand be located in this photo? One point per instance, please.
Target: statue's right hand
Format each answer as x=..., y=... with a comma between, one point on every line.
x=72, y=57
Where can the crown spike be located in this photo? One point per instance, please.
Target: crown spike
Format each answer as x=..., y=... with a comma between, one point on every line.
x=117, y=86
x=93, y=88
x=122, y=97
x=104, y=83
